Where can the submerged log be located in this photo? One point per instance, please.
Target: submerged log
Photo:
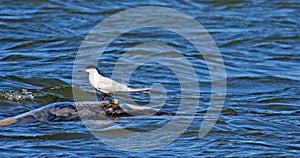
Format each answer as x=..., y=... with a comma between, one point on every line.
x=70, y=111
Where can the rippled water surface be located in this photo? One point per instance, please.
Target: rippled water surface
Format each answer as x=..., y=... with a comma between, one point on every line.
x=259, y=43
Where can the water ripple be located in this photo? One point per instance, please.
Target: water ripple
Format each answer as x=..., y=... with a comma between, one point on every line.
x=259, y=42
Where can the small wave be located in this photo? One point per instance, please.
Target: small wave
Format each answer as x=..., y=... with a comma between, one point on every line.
x=262, y=78
x=55, y=136
x=41, y=96
x=21, y=95
x=32, y=43
x=19, y=57
x=33, y=82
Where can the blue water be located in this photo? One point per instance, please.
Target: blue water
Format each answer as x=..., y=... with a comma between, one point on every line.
x=259, y=43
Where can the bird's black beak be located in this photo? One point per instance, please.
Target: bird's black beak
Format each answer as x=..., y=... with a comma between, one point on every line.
x=83, y=70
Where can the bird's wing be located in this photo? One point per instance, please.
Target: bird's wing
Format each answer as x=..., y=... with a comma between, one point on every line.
x=107, y=85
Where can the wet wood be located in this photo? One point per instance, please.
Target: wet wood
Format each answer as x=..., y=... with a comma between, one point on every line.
x=70, y=111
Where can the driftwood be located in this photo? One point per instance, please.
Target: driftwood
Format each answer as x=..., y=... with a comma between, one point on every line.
x=70, y=111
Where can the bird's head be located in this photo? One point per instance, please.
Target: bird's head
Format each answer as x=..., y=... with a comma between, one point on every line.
x=90, y=69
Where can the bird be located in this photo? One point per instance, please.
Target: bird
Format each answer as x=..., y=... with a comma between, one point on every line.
x=106, y=85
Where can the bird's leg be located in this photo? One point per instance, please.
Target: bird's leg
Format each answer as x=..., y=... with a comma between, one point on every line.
x=104, y=97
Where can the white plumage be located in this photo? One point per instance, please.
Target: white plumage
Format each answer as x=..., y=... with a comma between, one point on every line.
x=107, y=85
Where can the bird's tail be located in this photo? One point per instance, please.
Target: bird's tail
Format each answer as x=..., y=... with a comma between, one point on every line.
x=145, y=90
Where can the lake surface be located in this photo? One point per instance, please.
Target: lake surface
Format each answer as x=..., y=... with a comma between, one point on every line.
x=259, y=43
